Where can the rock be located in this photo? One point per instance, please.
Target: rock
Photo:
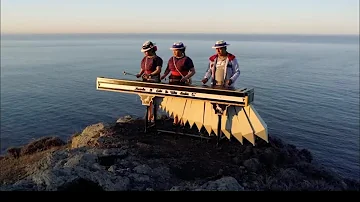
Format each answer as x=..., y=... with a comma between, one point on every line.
x=143, y=169
x=223, y=184
x=98, y=161
x=306, y=155
x=22, y=185
x=124, y=119
x=135, y=163
x=14, y=152
x=291, y=147
x=77, y=166
x=143, y=145
x=352, y=185
x=111, y=182
x=139, y=181
x=236, y=160
x=282, y=157
x=276, y=142
x=177, y=188
x=252, y=164
x=140, y=178
x=162, y=177
x=161, y=171
x=248, y=151
x=290, y=175
x=81, y=185
x=119, y=152
x=112, y=169
x=269, y=157
x=318, y=172
x=89, y=135
x=81, y=160
x=97, y=166
x=41, y=144
x=124, y=171
x=343, y=185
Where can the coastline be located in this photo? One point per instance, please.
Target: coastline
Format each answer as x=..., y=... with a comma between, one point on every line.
x=121, y=157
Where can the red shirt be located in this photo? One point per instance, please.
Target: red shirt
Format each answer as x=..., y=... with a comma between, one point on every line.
x=149, y=64
x=183, y=64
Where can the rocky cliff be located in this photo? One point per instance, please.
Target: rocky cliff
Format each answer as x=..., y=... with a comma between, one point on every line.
x=121, y=157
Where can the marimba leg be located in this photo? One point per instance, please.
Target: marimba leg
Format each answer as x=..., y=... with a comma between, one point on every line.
x=219, y=130
x=146, y=119
x=155, y=114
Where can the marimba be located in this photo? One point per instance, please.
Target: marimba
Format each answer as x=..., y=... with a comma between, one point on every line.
x=220, y=111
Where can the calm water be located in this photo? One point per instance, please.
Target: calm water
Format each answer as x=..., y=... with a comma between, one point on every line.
x=306, y=87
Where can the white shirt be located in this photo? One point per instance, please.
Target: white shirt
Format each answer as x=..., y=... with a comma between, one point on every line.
x=220, y=70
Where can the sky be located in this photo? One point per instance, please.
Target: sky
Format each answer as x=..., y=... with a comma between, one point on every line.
x=181, y=16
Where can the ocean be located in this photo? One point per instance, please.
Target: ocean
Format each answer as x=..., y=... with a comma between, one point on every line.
x=306, y=86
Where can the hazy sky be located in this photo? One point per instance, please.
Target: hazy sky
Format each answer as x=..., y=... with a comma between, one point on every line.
x=191, y=16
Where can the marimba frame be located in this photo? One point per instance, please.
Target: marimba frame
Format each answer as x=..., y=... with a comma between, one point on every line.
x=241, y=120
x=219, y=110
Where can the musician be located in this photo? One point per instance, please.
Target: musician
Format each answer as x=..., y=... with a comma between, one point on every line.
x=223, y=67
x=151, y=64
x=150, y=68
x=180, y=66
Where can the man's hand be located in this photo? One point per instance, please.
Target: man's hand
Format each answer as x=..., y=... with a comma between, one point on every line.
x=138, y=75
x=229, y=82
x=205, y=80
x=146, y=76
x=183, y=79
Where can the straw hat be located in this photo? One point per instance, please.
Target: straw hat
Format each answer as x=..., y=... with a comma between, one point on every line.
x=148, y=45
x=220, y=44
x=178, y=45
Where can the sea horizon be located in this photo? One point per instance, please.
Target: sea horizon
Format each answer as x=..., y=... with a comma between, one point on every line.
x=295, y=38
x=194, y=33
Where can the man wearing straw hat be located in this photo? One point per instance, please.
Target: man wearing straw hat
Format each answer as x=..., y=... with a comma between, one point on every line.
x=181, y=68
x=150, y=69
x=151, y=64
x=223, y=67
x=179, y=65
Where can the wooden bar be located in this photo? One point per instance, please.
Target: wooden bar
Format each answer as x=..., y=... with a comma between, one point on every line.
x=233, y=97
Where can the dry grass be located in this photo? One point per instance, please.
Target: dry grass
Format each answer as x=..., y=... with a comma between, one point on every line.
x=14, y=169
x=14, y=166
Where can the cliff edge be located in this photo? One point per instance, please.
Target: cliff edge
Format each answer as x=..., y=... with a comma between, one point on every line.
x=121, y=157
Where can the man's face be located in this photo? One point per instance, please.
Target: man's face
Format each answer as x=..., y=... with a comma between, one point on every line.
x=177, y=52
x=149, y=53
x=221, y=51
